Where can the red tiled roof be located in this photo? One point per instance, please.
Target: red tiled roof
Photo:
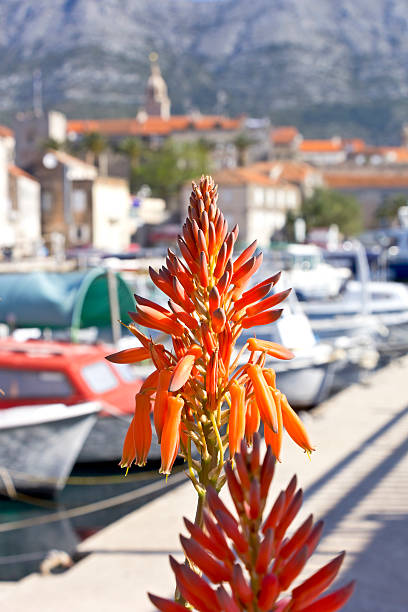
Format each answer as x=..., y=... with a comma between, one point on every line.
x=369, y=180
x=16, y=171
x=6, y=132
x=284, y=134
x=243, y=176
x=289, y=170
x=153, y=125
x=397, y=155
x=321, y=146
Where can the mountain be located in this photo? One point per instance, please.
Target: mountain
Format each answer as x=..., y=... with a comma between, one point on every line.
x=328, y=66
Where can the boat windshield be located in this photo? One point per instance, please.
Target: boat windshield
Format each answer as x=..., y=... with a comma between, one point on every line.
x=99, y=377
x=33, y=384
x=126, y=372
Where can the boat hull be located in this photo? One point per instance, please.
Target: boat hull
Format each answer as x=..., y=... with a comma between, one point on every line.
x=307, y=386
x=36, y=457
x=105, y=440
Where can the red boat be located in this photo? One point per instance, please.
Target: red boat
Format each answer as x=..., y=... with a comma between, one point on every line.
x=41, y=372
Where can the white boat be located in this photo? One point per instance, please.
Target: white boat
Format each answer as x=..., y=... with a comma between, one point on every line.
x=364, y=309
x=40, y=444
x=306, y=271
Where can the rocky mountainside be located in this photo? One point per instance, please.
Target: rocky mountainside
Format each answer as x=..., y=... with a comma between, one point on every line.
x=327, y=65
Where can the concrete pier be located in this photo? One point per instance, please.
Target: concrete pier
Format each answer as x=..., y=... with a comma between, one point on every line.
x=357, y=481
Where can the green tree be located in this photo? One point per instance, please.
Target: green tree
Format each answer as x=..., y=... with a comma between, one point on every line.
x=132, y=148
x=242, y=143
x=326, y=207
x=95, y=146
x=166, y=169
x=387, y=212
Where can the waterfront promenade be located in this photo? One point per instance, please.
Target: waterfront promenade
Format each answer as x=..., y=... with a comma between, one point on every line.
x=357, y=481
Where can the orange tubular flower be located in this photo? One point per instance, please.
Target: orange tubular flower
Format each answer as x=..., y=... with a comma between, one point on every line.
x=139, y=436
x=252, y=420
x=236, y=429
x=161, y=400
x=294, y=426
x=170, y=439
x=132, y=355
x=272, y=439
x=264, y=397
x=271, y=348
x=210, y=303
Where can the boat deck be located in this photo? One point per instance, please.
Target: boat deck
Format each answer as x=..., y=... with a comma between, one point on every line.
x=356, y=481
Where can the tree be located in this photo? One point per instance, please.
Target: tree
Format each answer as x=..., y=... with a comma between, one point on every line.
x=132, y=148
x=326, y=207
x=387, y=212
x=242, y=143
x=95, y=145
x=166, y=169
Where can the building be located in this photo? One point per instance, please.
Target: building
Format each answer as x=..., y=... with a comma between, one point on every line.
x=305, y=176
x=20, y=233
x=285, y=142
x=153, y=124
x=257, y=202
x=25, y=210
x=34, y=132
x=79, y=206
x=370, y=185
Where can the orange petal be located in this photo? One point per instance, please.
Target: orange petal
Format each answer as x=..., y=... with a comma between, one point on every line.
x=218, y=320
x=212, y=380
x=270, y=377
x=271, y=348
x=158, y=355
x=171, y=434
x=274, y=440
x=248, y=269
x=263, y=396
x=160, y=402
x=145, y=302
x=139, y=436
x=252, y=420
x=251, y=296
x=268, y=303
x=129, y=446
x=271, y=280
x=263, y=318
x=236, y=425
x=294, y=426
x=132, y=355
x=181, y=372
x=150, y=383
x=245, y=255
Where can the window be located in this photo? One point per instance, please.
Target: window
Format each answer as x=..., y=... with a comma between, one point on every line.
x=126, y=372
x=99, y=377
x=34, y=384
x=78, y=200
x=258, y=196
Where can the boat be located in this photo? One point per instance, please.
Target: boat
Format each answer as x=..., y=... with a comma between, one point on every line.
x=39, y=372
x=40, y=444
x=364, y=310
x=307, y=272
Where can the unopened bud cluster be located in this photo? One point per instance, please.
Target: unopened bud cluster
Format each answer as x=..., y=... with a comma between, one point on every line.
x=245, y=558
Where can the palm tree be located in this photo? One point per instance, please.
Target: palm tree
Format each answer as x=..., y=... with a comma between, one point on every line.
x=242, y=143
x=95, y=145
x=132, y=148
